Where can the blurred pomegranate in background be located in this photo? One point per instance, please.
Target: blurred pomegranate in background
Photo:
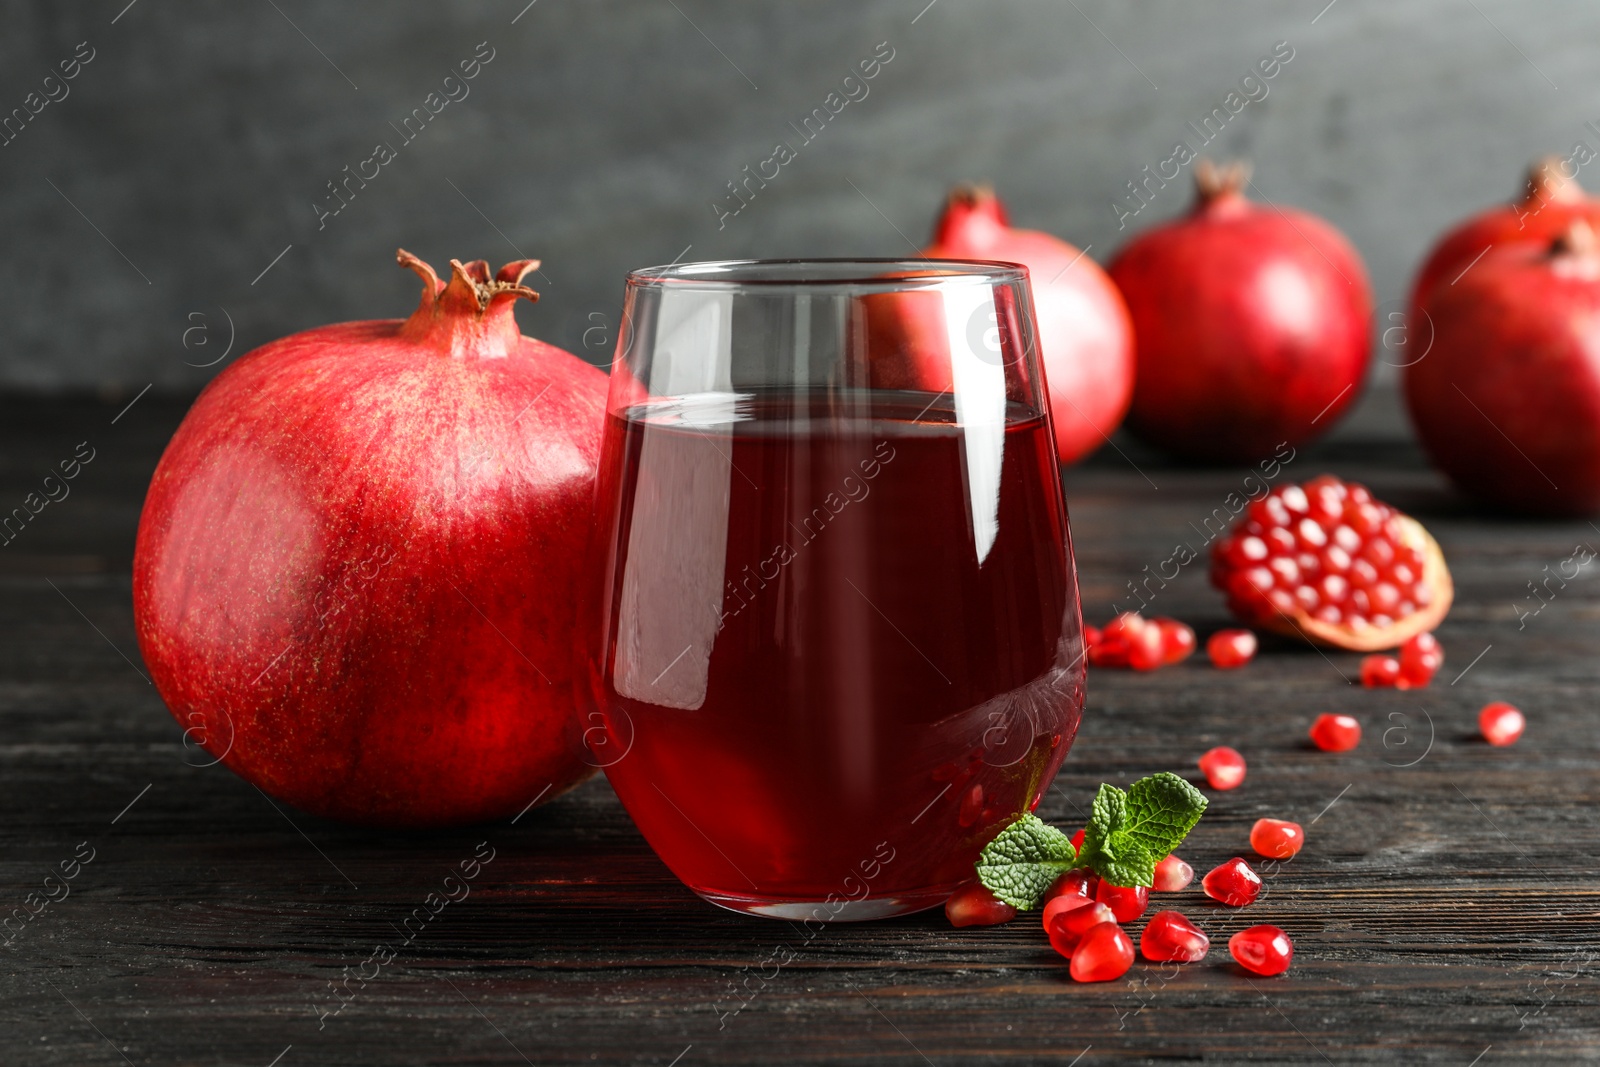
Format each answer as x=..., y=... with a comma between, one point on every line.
x=359, y=569
x=1551, y=200
x=1250, y=323
x=1507, y=400
x=1085, y=338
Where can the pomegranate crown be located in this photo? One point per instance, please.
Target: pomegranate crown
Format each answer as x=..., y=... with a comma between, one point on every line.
x=1549, y=182
x=471, y=315
x=1220, y=185
x=972, y=214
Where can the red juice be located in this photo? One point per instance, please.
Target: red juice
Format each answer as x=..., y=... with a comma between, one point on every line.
x=841, y=646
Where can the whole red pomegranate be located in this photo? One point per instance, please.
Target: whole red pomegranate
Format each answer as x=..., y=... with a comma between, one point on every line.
x=358, y=569
x=1551, y=200
x=1085, y=337
x=1507, y=401
x=1251, y=324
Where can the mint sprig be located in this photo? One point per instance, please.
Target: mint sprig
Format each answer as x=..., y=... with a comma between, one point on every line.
x=1109, y=849
x=1128, y=834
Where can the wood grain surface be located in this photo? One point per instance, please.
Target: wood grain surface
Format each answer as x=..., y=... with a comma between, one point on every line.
x=1444, y=909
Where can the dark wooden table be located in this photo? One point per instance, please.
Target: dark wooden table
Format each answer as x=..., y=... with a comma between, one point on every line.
x=1443, y=911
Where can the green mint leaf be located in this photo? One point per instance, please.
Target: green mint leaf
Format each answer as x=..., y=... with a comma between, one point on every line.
x=1108, y=849
x=1160, y=812
x=1106, y=815
x=1127, y=863
x=1023, y=861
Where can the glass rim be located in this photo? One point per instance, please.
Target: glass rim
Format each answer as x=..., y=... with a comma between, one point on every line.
x=844, y=274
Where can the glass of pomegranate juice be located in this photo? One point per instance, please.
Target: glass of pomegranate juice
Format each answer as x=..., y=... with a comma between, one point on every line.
x=840, y=642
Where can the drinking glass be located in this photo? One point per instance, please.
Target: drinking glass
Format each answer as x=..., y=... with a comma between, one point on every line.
x=840, y=643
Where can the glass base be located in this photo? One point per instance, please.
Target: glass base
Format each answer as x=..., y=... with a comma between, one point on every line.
x=838, y=911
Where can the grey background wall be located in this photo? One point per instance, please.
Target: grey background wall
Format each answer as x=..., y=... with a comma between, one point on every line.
x=175, y=185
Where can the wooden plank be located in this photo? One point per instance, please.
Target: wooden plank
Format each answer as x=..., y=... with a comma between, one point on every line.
x=1445, y=907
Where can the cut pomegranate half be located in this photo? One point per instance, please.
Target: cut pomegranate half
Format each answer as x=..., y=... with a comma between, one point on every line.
x=1327, y=562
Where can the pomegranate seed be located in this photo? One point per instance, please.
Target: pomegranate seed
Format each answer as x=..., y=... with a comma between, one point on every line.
x=1250, y=550
x=1177, y=640
x=1231, y=648
x=1079, y=883
x=971, y=806
x=1108, y=652
x=1263, y=950
x=1379, y=553
x=1385, y=597
x=1249, y=582
x=1060, y=905
x=1170, y=936
x=1119, y=626
x=1270, y=512
x=1379, y=671
x=1146, y=646
x=1328, y=483
x=1335, y=733
x=1328, y=508
x=1365, y=518
x=1068, y=926
x=1234, y=883
x=974, y=905
x=1310, y=533
x=1111, y=649
x=1104, y=954
x=1277, y=839
x=1223, y=768
x=1127, y=903
x=1091, y=636
x=1077, y=841
x=1420, y=658
x=1172, y=874
x=1500, y=723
